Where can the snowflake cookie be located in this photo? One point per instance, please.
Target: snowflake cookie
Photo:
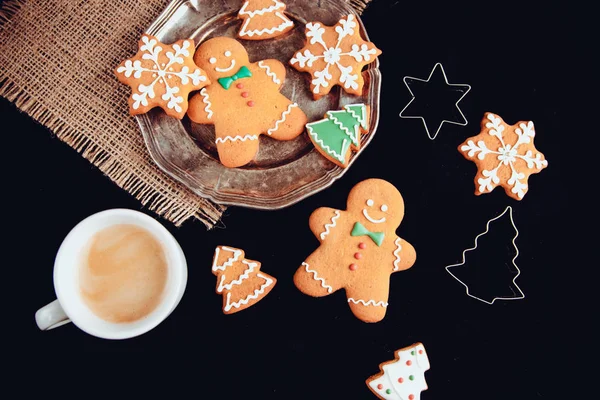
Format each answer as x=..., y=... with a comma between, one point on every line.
x=505, y=156
x=240, y=281
x=359, y=249
x=403, y=378
x=162, y=76
x=335, y=55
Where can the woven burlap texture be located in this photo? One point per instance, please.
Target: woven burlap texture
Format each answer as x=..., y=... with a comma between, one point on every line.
x=56, y=64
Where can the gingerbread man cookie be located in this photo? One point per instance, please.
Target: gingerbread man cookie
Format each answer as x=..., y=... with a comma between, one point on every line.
x=335, y=55
x=505, y=156
x=162, y=76
x=359, y=249
x=243, y=101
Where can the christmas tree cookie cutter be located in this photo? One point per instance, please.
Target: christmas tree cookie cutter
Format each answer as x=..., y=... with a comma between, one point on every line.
x=465, y=88
x=520, y=294
x=402, y=378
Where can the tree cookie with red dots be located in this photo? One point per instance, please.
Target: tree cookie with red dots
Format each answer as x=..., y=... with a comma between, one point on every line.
x=243, y=101
x=359, y=249
x=240, y=281
x=402, y=378
x=335, y=55
x=263, y=19
x=162, y=76
x=504, y=155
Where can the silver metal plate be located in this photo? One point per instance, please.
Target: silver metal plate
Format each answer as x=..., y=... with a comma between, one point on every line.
x=283, y=172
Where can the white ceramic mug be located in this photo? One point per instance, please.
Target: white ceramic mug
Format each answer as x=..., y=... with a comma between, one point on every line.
x=69, y=305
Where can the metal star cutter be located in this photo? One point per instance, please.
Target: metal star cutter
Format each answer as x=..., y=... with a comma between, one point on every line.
x=428, y=98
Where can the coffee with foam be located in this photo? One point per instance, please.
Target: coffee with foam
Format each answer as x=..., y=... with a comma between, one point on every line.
x=123, y=273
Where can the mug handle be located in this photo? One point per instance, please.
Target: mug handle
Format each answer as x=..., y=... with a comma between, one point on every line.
x=51, y=316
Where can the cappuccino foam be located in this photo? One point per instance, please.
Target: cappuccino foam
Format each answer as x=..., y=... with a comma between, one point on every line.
x=123, y=273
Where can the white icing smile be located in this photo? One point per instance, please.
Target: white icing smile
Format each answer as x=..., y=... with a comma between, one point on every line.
x=370, y=203
x=373, y=220
x=226, y=69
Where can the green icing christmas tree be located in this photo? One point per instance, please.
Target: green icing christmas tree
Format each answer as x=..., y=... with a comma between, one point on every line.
x=338, y=132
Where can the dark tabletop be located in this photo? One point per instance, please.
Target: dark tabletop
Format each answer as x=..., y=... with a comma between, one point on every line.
x=292, y=346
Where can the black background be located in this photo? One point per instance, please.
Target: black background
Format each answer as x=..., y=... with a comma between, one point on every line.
x=291, y=346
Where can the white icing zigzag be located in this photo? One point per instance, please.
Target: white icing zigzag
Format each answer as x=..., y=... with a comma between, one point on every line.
x=253, y=296
x=359, y=118
x=262, y=11
x=236, y=255
x=368, y=303
x=206, y=101
x=397, y=253
x=317, y=278
x=331, y=225
x=236, y=138
x=269, y=73
x=285, y=24
x=245, y=275
x=353, y=136
x=283, y=116
x=328, y=149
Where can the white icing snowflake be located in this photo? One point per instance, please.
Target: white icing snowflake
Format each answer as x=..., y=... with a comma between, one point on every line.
x=333, y=55
x=506, y=155
x=164, y=71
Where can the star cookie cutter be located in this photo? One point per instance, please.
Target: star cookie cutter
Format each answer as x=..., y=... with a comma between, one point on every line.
x=487, y=229
x=422, y=118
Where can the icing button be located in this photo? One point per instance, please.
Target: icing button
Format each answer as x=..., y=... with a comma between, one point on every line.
x=245, y=94
x=250, y=103
x=358, y=256
x=239, y=86
x=362, y=245
x=353, y=267
x=380, y=386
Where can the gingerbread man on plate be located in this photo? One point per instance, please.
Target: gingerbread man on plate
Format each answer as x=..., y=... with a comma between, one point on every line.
x=359, y=249
x=243, y=101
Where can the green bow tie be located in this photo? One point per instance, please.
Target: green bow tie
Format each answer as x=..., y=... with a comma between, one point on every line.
x=360, y=230
x=243, y=72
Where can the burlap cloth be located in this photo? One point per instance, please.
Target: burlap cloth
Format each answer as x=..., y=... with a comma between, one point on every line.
x=56, y=64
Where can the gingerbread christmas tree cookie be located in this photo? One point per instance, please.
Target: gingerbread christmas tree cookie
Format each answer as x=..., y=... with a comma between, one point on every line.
x=263, y=19
x=504, y=155
x=335, y=55
x=162, y=76
x=402, y=378
x=243, y=101
x=359, y=249
x=339, y=132
x=239, y=280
